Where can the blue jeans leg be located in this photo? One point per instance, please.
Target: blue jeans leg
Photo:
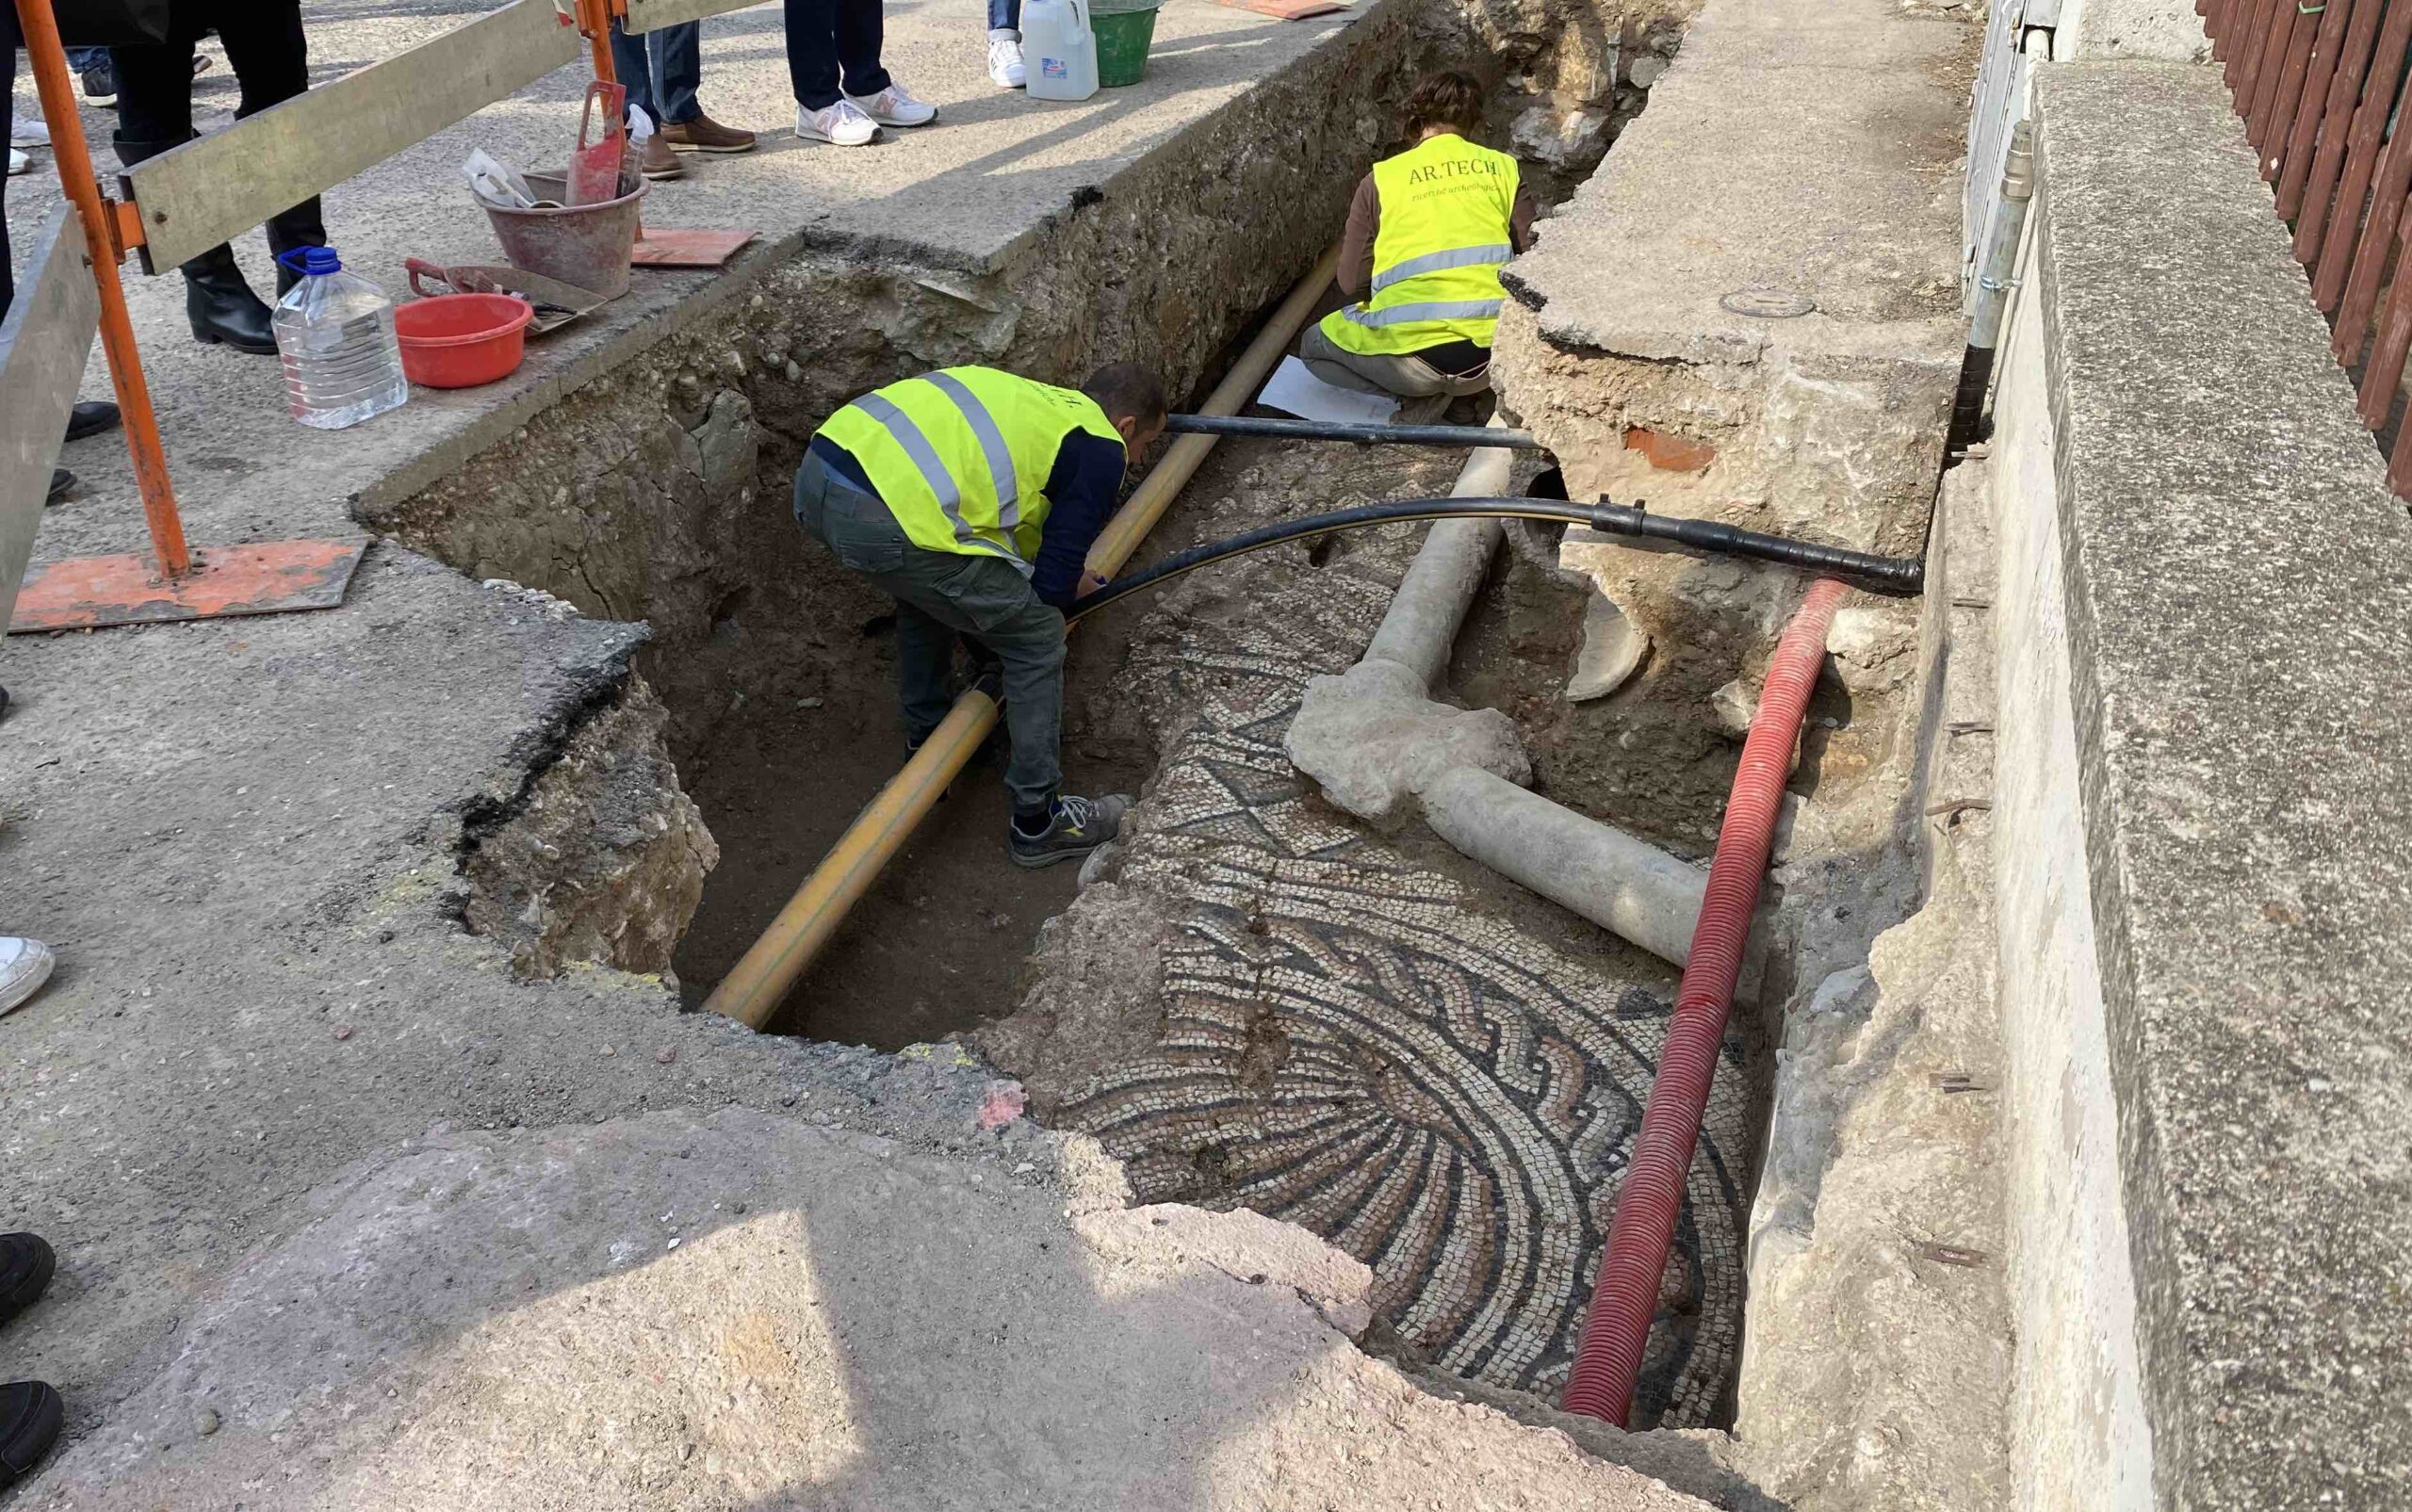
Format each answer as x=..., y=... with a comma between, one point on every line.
x=677, y=57
x=939, y=596
x=1005, y=15
x=631, y=65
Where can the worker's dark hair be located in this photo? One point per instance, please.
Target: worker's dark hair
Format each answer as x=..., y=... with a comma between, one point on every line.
x=1445, y=97
x=1127, y=391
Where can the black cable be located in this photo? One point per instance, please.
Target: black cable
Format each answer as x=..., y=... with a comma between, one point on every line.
x=1898, y=577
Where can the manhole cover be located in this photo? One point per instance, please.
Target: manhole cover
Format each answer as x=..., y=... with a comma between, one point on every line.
x=1767, y=304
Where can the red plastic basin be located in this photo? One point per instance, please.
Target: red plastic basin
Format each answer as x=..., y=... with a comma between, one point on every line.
x=461, y=340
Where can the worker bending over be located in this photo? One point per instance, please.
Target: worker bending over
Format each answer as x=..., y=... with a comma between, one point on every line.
x=1427, y=234
x=973, y=496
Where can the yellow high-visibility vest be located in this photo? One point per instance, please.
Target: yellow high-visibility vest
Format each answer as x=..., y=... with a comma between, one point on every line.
x=961, y=456
x=1446, y=206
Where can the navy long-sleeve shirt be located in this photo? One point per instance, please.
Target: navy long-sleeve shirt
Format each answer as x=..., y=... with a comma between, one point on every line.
x=1081, y=489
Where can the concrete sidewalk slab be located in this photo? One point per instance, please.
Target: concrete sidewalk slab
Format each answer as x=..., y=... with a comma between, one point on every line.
x=734, y=1312
x=962, y=194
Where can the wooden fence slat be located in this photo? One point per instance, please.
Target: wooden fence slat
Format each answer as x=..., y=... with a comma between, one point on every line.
x=2399, y=467
x=2294, y=85
x=2245, y=64
x=44, y=346
x=221, y=184
x=2310, y=174
x=2385, y=369
x=2275, y=49
x=2373, y=250
x=2362, y=144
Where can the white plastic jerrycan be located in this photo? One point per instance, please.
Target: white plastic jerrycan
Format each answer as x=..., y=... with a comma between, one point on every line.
x=1058, y=49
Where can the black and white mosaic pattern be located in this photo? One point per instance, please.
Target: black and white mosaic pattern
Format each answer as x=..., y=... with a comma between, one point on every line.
x=1358, y=1044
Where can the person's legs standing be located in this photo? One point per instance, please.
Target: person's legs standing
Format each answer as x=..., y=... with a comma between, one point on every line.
x=1005, y=68
x=675, y=55
x=812, y=52
x=631, y=65
x=271, y=61
x=154, y=115
x=860, y=28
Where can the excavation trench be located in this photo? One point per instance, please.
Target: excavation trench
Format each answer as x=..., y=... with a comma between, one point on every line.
x=762, y=716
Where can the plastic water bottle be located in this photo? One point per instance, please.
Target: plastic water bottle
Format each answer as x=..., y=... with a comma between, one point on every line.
x=335, y=332
x=1058, y=49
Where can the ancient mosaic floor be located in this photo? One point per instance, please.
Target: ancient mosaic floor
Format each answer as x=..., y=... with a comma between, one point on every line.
x=1366, y=1048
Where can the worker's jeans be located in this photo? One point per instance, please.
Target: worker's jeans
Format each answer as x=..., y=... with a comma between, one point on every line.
x=661, y=70
x=939, y=594
x=1005, y=15
x=1404, y=374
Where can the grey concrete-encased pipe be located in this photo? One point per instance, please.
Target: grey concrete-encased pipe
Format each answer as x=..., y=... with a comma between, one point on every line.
x=1376, y=741
x=1627, y=887
x=1431, y=602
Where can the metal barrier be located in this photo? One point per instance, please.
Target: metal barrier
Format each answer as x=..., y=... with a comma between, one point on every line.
x=2321, y=88
x=176, y=206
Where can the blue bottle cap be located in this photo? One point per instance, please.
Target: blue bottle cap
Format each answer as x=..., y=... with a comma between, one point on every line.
x=308, y=260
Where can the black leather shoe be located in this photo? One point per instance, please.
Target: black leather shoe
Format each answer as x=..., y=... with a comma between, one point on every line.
x=30, y=1412
x=26, y=1267
x=60, y=481
x=90, y=419
x=222, y=308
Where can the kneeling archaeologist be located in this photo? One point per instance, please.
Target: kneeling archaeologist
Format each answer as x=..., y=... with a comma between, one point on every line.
x=1427, y=234
x=973, y=497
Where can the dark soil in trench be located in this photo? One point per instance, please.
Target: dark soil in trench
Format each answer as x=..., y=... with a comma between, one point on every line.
x=939, y=943
x=1649, y=758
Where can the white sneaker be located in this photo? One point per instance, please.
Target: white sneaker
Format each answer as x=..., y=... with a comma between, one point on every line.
x=1004, y=60
x=19, y=163
x=34, y=133
x=24, y=966
x=843, y=124
x=892, y=107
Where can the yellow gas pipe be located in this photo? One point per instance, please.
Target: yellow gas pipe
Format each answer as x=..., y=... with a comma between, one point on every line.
x=756, y=987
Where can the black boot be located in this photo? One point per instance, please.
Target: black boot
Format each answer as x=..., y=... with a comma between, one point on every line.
x=89, y=417
x=222, y=308
x=302, y=226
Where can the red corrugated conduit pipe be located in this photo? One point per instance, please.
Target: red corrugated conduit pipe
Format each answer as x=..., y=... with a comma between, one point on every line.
x=1625, y=1297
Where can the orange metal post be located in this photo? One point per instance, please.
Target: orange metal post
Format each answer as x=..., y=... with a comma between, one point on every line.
x=100, y=235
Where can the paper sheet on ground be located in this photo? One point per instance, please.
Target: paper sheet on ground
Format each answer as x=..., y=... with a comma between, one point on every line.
x=1295, y=390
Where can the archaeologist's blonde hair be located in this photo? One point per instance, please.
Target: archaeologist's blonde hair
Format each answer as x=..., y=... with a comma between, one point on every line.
x=1445, y=97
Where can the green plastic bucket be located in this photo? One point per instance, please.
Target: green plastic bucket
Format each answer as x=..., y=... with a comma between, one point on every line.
x=1122, y=40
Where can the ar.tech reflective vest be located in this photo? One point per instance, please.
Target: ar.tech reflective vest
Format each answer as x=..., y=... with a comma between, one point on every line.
x=961, y=456
x=1446, y=207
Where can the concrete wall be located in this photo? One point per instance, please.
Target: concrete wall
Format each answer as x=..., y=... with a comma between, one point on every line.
x=2165, y=29
x=2204, y=840
x=2081, y=1438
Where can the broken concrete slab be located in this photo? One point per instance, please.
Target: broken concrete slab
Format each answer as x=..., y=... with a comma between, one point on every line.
x=688, y=1310
x=1629, y=344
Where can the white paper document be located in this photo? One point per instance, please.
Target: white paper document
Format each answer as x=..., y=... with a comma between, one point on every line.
x=1295, y=390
